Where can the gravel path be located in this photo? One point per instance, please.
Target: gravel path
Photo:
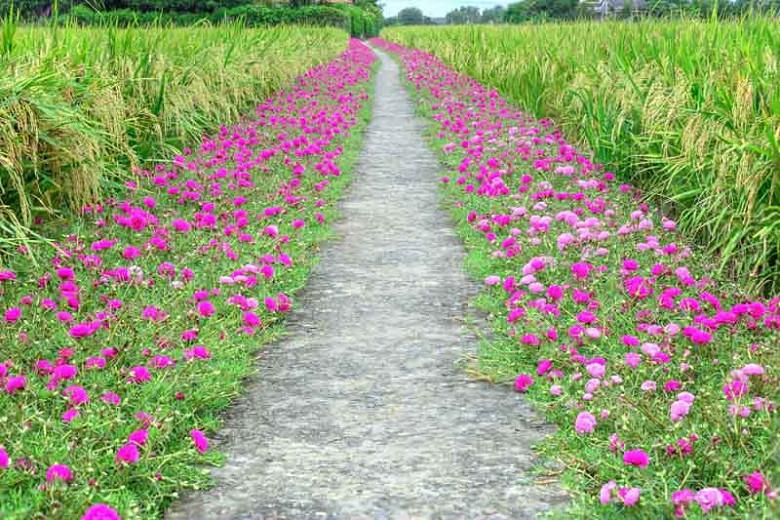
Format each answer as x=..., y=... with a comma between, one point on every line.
x=361, y=412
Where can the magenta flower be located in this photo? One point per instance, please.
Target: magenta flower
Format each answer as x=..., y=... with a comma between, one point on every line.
x=523, y=382
x=756, y=482
x=681, y=499
x=206, y=308
x=69, y=415
x=128, y=454
x=735, y=389
x=83, y=330
x=199, y=440
x=13, y=314
x=140, y=374
x=637, y=458
x=100, y=512
x=59, y=472
x=139, y=436
x=15, y=383
x=4, y=459
x=77, y=395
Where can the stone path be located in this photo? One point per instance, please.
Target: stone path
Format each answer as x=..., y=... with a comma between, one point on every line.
x=360, y=413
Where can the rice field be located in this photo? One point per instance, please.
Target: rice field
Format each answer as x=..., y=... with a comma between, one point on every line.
x=83, y=108
x=689, y=110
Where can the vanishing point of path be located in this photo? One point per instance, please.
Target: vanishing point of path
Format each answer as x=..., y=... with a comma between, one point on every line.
x=361, y=413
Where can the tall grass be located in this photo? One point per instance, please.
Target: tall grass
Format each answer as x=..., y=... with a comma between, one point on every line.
x=80, y=107
x=688, y=109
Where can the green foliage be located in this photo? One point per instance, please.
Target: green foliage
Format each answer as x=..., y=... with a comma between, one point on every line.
x=464, y=15
x=362, y=19
x=687, y=109
x=411, y=16
x=537, y=10
x=493, y=15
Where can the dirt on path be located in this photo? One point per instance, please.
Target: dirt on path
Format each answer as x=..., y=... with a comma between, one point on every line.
x=361, y=412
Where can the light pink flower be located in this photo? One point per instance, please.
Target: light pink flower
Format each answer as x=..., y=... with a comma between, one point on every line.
x=585, y=423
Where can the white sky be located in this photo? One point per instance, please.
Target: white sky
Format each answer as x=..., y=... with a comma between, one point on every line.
x=435, y=8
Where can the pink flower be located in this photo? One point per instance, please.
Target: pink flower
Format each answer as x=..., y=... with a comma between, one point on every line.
x=596, y=370
x=100, y=512
x=111, y=398
x=648, y=386
x=637, y=458
x=523, y=383
x=493, y=280
x=709, y=498
x=199, y=440
x=678, y=410
x=585, y=423
x=629, y=496
x=128, y=454
x=633, y=359
x=605, y=495
x=752, y=369
x=59, y=472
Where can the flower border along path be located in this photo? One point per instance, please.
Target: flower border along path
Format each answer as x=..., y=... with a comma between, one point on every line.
x=664, y=382
x=117, y=354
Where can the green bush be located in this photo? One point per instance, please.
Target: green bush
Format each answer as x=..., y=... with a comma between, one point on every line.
x=256, y=15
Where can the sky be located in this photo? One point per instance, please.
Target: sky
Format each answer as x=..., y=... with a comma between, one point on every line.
x=435, y=8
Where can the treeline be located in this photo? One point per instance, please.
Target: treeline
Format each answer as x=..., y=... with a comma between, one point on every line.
x=542, y=10
x=361, y=19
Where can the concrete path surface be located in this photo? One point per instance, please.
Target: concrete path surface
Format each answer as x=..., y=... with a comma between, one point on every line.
x=361, y=413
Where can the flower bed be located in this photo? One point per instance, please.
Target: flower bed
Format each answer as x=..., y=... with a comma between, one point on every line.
x=663, y=381
x=116, y=355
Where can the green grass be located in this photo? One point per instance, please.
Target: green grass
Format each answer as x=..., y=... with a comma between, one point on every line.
x=688, y=109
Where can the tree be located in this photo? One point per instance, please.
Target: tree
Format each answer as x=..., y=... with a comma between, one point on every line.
x=537, y=10
x=463, y=15
x=410, y=16
x=494, y=15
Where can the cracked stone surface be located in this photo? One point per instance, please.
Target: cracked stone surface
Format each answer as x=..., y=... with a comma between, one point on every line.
x=361, y=412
